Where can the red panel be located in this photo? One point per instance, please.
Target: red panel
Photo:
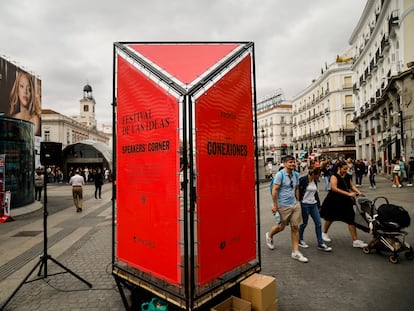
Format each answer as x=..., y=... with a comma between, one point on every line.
x=147, y=163
x=185, y=62
x=226, y=182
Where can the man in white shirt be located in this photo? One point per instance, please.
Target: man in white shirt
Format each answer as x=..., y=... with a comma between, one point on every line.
x=77, y=182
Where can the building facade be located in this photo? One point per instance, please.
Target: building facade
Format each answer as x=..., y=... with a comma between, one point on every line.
x=274, y=121
x=383, y=55
x=83, y=146
x=322, y=113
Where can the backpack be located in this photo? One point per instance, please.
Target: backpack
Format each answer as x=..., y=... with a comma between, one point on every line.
x=295, y=175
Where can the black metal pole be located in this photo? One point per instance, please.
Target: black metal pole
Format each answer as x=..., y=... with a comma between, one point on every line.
x=264, y=157
x=402, y=134
x=45, y=255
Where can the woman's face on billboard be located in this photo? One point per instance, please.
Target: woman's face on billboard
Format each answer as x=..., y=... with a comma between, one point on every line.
x=25, y=91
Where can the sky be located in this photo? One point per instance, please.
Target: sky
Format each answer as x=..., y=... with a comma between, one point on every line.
x=70, y=43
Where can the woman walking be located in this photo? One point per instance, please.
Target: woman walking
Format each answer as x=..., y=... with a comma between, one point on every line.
x=309, y=201
x=338, y=204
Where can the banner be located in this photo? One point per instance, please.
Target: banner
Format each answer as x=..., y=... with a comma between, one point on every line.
x=147, y=161
x=20, y=94
x=226, y=180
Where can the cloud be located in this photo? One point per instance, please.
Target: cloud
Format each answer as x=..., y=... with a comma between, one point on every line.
x=70, y=43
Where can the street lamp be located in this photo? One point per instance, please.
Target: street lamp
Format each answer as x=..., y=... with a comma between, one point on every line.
x=263, y=137
x=400, y=121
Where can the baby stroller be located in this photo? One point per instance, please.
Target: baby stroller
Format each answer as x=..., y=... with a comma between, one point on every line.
x=385, y=223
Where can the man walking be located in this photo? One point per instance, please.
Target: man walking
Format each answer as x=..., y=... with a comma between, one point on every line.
x=285, y=196
x=39, y=184
x=77, y=182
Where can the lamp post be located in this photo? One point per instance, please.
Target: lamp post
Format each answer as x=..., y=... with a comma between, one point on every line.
x=263, y=137
x=401, y=134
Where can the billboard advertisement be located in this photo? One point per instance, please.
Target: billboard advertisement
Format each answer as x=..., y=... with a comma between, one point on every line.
x=226, y=174
x=186, y=193
x=20, y=94
x=147, y=175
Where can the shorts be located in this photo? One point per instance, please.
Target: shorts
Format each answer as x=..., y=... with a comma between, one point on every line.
x=290, y=215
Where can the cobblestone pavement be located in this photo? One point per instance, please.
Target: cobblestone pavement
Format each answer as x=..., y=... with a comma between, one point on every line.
x=345, y=279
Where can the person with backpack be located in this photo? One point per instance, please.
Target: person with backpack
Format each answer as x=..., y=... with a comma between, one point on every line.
x=285, y=197
x=310, y=204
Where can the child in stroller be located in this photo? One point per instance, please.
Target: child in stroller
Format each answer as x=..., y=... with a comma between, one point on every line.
x=385, y=223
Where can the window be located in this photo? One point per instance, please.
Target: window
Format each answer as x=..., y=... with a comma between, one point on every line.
x=85, y=108
x=47, y=135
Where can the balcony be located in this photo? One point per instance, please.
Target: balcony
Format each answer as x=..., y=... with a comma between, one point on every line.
x=393, y=22
x=385, y=43
x=355, y=88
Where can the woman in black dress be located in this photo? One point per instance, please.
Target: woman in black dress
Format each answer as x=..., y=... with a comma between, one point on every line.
x=338, y=204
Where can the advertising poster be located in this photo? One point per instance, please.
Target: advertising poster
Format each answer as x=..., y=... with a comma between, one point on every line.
x=226, y=174
x=20, y=94
x=147, y=162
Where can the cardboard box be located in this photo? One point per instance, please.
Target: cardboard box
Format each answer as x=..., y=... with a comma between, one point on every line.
x=272, y=307
x=233, y=304
x=260, y=290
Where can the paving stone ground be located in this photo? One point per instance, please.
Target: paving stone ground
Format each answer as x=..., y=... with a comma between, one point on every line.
x=345, y=279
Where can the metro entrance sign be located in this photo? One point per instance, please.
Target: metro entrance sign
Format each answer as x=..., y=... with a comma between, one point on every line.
x=186, y=200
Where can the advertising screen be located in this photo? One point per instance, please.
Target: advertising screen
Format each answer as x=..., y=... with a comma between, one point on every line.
x=20, y=94
x=147, y=162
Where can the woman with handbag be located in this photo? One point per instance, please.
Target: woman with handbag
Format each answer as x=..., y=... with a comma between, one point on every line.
x=338, y=204
x=309, y=202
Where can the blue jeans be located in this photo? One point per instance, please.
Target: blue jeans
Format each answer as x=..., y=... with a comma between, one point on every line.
x=372, y=180
x=311, y=209
x=327, y=182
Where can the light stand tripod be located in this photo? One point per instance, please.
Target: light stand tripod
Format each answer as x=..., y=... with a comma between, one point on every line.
x=45, y=257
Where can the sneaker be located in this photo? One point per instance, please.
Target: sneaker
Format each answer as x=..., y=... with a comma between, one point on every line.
x=269, y=241
x=326, y=237
x=408, y=185
x=359, y=244
x=325, y=248
x=375, y=187
x=298, y=256
x=399, y=186
x=370, y=187
x=394, y=186
x=303, y=244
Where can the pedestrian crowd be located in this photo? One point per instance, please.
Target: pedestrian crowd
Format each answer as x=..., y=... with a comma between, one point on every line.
x=296, y=198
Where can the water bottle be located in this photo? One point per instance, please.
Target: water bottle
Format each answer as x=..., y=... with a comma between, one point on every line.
x=277, y=217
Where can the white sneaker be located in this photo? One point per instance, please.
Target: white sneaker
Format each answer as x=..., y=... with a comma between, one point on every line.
x=303, y=244
x=399, y=186
x=394, y=186
x=359, y=244
x=325, y=248
x=370, y=187
x=269, y=241
x=409, y=185
x=326, y=237
x=298, y=256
